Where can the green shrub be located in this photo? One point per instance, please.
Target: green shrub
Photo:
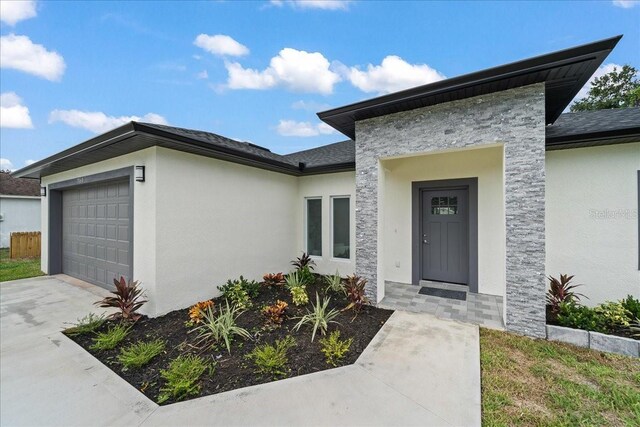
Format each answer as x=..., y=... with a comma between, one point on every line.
x=215, y=329
x=239, y=292
x=334, y=348
x=334, y=283
x=89, y=323
x=299, y=295
x=613, y=315
x=140, y=353
x=272, y=359
x=577, y=316
x=181, y=377
x=306, y=276
x=111, y=338
x=319, y=317
x=633, y=305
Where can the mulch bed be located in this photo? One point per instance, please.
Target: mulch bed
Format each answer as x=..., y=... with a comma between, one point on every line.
x=235, y=370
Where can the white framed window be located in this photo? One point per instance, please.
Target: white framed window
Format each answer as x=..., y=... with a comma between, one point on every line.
x=341, y=227
x=313, y=226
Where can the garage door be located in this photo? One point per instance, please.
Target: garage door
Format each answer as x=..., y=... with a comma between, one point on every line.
x=96, y=232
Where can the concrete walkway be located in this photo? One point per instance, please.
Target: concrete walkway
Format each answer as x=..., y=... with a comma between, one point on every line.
x=418, y=370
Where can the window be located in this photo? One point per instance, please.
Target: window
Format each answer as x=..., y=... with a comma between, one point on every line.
x=444, y=205
x=341, y=227
x=314, y=227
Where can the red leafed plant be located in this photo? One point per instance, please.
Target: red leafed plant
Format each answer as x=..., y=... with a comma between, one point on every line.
x=303, y=262
x=128, y=299
x=354, y=289
x=273, y=279
x=561, y=291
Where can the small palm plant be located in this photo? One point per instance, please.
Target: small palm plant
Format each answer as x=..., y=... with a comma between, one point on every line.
x=561, y=291
x=127, y=299
x=215, y=329
x=319, y=317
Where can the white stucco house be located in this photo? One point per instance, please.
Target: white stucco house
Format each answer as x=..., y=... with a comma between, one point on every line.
x=19, y=206
x=478, y=180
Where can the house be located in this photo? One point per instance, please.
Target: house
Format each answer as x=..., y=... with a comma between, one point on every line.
x=477, y=180
x=19, y=206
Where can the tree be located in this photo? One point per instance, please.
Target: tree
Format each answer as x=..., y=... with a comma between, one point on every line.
x=619, y=88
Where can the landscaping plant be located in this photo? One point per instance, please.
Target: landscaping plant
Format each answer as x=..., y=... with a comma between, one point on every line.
x=215, y=329
x=275, y=313
x=89, y=323
x=111, y=338
x=334, y=283
x=272, y=359
x=140, y=353
x=633, y=305
x=196, y=312
x=334, y=348
x=273, y=279
x=127, y=299
x=304, y=266
x=299, y=295
x=561, y=291
x=239, y=292
x=319, y=317
x=181, y=377
x=292, y=280
x=354, y=289
x=613, y=315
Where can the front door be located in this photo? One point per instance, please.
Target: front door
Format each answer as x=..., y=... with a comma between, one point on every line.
x=444, y=235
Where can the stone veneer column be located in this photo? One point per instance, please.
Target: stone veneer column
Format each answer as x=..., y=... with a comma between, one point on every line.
x=514, y=118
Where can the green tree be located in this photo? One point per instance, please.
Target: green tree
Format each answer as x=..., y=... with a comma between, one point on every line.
x=619, y=88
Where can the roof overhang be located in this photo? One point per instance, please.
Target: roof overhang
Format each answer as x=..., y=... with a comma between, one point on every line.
x=564, y=73
x=592, y=139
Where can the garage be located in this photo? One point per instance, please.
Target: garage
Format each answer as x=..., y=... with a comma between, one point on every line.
x=97, y=232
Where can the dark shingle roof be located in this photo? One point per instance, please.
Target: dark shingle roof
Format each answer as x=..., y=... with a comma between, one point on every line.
x=10, y=186
x=343, y=152
x=588, y=122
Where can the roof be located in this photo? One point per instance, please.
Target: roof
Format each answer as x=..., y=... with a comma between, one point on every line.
x=564, y=73
x=12, y=186
x=338, y=153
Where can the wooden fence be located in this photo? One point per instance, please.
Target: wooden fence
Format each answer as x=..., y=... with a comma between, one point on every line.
x=25, y=244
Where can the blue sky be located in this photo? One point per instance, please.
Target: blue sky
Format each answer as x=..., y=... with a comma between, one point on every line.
x=258, y=71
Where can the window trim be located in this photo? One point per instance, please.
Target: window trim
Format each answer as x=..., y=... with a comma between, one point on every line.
x=331, y=224
x=306, y=227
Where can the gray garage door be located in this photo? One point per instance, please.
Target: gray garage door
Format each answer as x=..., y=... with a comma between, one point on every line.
x=96, y=232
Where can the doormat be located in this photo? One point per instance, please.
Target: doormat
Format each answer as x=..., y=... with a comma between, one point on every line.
x=443, y=293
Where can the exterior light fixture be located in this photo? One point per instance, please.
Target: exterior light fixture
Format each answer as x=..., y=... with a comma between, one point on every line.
x=43, y=191
x=140, y=173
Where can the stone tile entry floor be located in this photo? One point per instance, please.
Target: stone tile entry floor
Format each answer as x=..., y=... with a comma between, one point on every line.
x=479, y=309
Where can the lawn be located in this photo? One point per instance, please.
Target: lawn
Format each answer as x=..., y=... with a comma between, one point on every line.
x=528, y=382
x=13, y=269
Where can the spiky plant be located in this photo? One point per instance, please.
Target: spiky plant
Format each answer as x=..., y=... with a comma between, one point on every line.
x=127, y=299
x=355, y=291
x=561, y=291
x=319, y=317
x=334, y=283
x=304, y=261
x=221, y=328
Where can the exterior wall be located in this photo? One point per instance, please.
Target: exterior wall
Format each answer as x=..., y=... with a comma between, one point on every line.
x=514, y=118
x=592, y=219
x=217, y=220
x=326, y=186
x=486, y=165
x=19, y=214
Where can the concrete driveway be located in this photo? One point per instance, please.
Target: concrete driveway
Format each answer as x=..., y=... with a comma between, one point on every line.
x=418, y=370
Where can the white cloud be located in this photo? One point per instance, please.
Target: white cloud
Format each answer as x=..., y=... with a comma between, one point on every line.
x=20, y=53
x=392, y=75
x=29, y=162
x=98, y=122
x=203, y=75
x=601, y=71
x=303, y=129
x=292, y=69
x=312, y=106
x=314, y=4
x=12, y=12
x=12, y=113
x=221, y=44
x=5, y=164
x=626, y=4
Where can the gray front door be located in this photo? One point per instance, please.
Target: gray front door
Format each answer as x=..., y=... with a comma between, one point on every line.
x=96, y=232
x=444, y=235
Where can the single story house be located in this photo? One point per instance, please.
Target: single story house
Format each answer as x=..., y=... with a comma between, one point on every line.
x=19, y=206
x=477, y=180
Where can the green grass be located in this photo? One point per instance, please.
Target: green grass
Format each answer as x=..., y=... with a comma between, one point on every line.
x=13, y=269
x=111, y=338
x=528, y=382
x=140, y=353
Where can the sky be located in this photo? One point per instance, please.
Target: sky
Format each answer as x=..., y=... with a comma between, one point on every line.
x=258, y=71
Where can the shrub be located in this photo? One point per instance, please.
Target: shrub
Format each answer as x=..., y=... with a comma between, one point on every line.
x=89, y=323
x=633, y=305
x=275, y=312
x=240, y=292
x=215, y=329
x=292, y=280
x=272, y=359
x=319, y=318
x=303, y=261
x=613, y=315
x=127, y=300
x=334, y=348
x=577, y=316
x=273, y=279
x=140, y=353
x=299, y=295
x=561, y=291
x=334, y=283
x=306, y=276
x=181, y=377
x=196, y=312
x=354, y=289
x=111, y=338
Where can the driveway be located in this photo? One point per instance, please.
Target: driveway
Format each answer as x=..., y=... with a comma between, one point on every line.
x=418, y=370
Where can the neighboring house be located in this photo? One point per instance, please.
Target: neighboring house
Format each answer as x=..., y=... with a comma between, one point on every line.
x=19, y=206
x=477, y=179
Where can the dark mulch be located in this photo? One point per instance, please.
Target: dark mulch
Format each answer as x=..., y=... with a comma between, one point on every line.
x=235, y=371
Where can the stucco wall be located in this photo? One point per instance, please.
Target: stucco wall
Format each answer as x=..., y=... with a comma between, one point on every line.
x=19, y=214
x=592, y=219
x=326, y=186
x=486, y=165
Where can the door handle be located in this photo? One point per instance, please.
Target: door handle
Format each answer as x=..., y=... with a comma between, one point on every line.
x=424, y=239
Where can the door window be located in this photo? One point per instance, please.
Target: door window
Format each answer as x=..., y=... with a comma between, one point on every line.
x=444, y=205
